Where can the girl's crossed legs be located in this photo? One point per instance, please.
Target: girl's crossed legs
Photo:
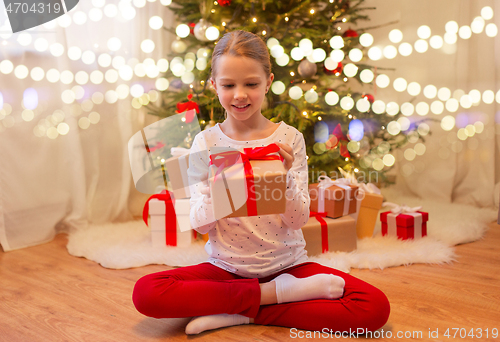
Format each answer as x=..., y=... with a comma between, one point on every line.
x=205, y=289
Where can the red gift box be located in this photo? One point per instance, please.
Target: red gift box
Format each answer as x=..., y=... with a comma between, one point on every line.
x=408, y=225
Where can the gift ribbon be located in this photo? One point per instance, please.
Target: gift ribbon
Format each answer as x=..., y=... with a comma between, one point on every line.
x=225, y=159
x=324, y=229
x=326, y=182
x=170, y=217
x=403, y=209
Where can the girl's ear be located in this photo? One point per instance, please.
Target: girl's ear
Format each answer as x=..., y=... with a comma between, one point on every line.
x=213, y=84
x=269, y=82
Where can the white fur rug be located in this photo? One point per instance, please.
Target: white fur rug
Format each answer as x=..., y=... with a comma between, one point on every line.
x=126, y=245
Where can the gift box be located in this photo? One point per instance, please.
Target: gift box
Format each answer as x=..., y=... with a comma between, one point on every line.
x=247, y=184
x=404, y=224
x=368, y=213
x=334, y=198
x=323, y=234
x=177, y=167
x=169, y=221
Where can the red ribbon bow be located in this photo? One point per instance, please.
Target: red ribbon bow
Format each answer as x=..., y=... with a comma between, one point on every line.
x=324, y=229
x=226, y=159
x=190, y=107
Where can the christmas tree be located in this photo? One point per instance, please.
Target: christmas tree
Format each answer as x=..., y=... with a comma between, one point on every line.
x=321, y=86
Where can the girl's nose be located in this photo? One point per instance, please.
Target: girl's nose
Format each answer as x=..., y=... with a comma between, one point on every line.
x=240, y=94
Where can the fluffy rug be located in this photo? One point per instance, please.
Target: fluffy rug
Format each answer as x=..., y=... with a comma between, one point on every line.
x=126, y=245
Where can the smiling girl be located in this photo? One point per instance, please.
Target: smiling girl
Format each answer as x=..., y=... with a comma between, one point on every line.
x=257, y=271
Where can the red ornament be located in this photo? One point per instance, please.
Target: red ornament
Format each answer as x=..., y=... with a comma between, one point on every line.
x=369, y=97
x=191, y=27
x=350, y=34
x=335, y=71
x=224, y=3
x=338, y=69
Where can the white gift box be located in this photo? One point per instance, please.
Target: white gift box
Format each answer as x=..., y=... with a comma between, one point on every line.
x=183, y=235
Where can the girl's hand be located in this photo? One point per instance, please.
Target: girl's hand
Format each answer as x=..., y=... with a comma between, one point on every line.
x=287, y=153
x=206, y=191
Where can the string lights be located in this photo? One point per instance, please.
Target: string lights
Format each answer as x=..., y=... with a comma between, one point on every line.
x=121, y=70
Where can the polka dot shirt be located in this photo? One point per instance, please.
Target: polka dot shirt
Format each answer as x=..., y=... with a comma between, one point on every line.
x=253, y=246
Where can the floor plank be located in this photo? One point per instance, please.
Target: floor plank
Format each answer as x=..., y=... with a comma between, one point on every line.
x=48, y=295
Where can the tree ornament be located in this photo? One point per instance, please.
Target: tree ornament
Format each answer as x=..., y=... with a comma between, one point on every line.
x=224, y=3
x=338, y=69
x=369, y=97
x=335, y=71
x=200, y=29
x=307, y=69
x=350, y=34
x=191, y=27
x=188, y=141
x=178, y=46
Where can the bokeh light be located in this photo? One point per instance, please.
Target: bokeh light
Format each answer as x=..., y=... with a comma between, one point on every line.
x=395, y=36
x=424, y=32
x=383, y=81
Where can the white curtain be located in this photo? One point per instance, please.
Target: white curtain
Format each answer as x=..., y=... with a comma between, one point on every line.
x=450, y=169
x=82, y=177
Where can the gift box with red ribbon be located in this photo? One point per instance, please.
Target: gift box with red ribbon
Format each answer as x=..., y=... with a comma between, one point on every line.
x=248, y=183
x=335, y=198
x=404, y=222
x=323, y=234
x=169, y=220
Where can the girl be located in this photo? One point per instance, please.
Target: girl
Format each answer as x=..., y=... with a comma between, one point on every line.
x=257, y=271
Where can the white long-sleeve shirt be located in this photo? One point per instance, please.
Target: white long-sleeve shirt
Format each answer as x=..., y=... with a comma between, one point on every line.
x=253, y=246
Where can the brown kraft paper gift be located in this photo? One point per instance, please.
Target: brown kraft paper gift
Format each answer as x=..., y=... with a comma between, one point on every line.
x=228, y=191
x=334, y=200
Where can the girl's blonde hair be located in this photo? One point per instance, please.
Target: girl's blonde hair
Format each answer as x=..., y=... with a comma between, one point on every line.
x=242, y=44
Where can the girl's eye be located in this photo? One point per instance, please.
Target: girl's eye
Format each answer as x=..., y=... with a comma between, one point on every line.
x=227, y=85
x=252, y=84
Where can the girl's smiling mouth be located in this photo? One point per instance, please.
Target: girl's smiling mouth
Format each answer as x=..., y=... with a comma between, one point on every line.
x=241, y=106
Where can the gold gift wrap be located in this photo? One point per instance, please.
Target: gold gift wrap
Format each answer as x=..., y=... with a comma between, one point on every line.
x=368, y=214
x=341, y=235
x=229, y=190
x=334, y=200
x=177, y=174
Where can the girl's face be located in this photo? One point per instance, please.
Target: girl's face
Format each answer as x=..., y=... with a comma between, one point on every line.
x=241, y=85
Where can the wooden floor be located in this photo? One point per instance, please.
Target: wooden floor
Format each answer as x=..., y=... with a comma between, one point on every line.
x=47, y=295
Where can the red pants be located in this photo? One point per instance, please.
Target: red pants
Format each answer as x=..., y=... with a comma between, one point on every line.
x=206, y=289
